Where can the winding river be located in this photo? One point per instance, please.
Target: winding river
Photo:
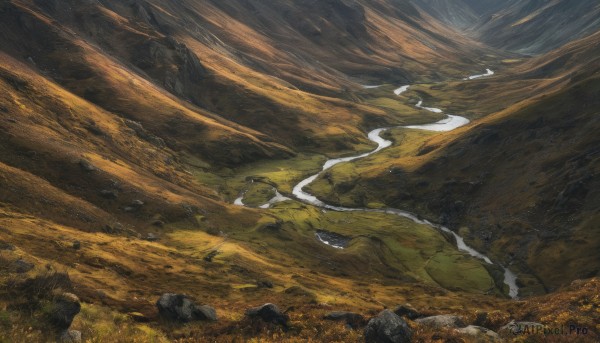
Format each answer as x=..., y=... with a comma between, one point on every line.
x=450, y=123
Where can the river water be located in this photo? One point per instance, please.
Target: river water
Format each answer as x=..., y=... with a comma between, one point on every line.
x=450, y=123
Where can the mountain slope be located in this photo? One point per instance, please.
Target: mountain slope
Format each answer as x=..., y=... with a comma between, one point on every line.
x=519, y=181
x=462, y=14
x=148, y=146
x=536, y=26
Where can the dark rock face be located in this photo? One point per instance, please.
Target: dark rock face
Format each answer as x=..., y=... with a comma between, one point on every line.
x=387, y=327
x=445, y=320
x=354, y=320
x=180, y=308
x=64, y=309
x=407, y=311
x=153, y=54
x=269, y=313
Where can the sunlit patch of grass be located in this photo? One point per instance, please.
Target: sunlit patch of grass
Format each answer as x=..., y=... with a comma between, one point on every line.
x=100, y=324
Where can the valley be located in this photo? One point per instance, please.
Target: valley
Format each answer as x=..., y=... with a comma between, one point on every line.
x=171, y=165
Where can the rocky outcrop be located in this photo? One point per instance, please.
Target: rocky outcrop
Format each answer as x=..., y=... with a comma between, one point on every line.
x=157, y=56
x=387, y=327
x=180, y=308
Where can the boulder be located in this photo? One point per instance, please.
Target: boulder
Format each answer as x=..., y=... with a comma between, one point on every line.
x=387, y=327
x=269, y=313
x=441, y=321
x=353, y=320
x=70, y=336
x=64, y=309
x=479, y=334
x=180, y=308
x=407, y=311
x=76, y=245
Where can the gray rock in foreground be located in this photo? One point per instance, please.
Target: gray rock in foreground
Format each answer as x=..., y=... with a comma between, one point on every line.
x=441, y=321
x=480, y=334
x=269, y=313
x=180, y=308
x=387, y=327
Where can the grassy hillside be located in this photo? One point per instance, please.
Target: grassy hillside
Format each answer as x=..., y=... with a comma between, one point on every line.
x=128, y=129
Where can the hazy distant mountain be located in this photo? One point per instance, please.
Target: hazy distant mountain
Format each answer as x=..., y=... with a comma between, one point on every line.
x=463, y=14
